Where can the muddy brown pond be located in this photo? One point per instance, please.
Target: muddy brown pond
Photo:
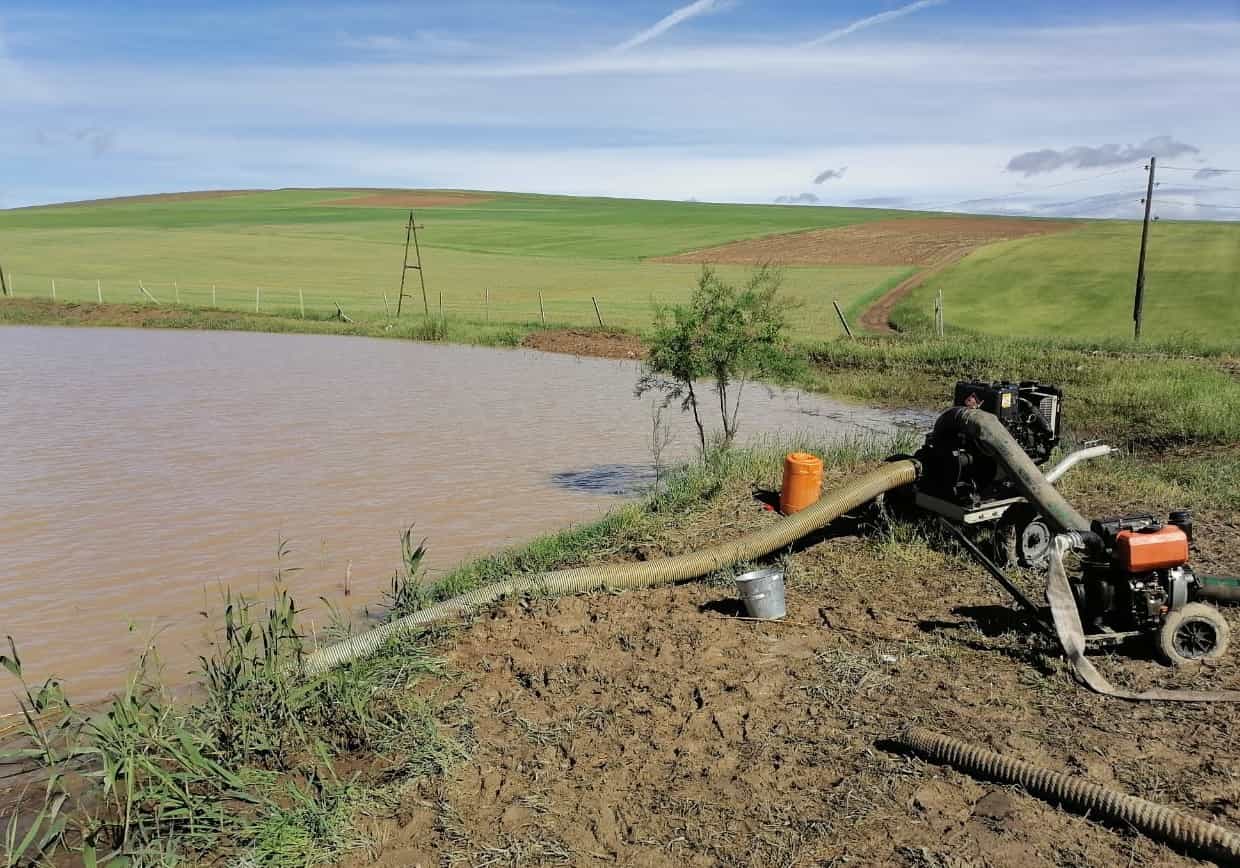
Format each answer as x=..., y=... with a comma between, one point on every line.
x=142, y=472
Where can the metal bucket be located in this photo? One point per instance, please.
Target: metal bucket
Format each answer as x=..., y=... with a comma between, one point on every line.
x=762, y=592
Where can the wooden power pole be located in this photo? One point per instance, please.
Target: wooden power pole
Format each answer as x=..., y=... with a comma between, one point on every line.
x=411, y=234
x=1139, y=298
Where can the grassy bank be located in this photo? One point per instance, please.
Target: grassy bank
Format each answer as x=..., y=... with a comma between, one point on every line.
x=1079, y=285
x=455, y=329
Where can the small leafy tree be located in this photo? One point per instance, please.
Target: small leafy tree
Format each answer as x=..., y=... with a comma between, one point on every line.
x=725, y=333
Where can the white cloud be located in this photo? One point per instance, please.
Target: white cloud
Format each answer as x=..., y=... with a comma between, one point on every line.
x=421, y=42
x=679, y=16
x=734, y=122
x=874, y=21
x=18, y=85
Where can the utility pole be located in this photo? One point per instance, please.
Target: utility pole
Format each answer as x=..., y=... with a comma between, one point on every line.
x=1145, y=234
x=411, y=234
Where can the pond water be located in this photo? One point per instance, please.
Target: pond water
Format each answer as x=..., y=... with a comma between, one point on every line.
x=141, y=472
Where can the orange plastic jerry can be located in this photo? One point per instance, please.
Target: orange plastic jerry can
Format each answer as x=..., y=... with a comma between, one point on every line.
x=802, y=482
x=1140, y=551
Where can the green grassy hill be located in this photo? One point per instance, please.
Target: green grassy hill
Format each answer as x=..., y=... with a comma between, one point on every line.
x=1079, y=285
x=514, y=245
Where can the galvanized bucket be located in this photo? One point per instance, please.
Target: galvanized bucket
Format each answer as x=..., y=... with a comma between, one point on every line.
x=762, y=592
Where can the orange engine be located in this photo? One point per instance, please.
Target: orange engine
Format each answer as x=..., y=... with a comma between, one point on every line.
x=1148, y=549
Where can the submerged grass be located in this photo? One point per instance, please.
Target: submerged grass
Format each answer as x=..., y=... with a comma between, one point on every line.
x=247, y=770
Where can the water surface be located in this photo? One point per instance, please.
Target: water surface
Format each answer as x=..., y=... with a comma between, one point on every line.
x=142, y=471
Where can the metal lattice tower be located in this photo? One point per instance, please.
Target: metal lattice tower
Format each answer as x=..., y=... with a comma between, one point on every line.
x=411, y=234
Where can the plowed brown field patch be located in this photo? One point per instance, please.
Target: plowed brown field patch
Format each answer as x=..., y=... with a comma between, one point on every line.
x=410, y=199
x=902, y=241
x=150, y=198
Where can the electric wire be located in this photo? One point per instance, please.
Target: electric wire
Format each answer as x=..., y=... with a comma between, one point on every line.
x=1208, y=169
x=998, y=197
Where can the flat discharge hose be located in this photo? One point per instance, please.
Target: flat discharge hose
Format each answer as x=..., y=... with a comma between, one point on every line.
x=1071, y=634
x=1158, y=821
x=627, y=576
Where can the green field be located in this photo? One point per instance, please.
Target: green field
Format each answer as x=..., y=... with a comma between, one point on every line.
x=1079, y=285
x=570, y=249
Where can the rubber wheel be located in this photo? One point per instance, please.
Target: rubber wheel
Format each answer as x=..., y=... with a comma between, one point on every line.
x=1023, y=540
x=1192, y=634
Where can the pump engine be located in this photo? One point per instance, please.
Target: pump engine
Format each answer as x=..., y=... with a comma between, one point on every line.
x=966, y=485
x=956, y=472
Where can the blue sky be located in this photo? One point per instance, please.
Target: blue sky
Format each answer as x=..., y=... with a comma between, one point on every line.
x=1041, y=108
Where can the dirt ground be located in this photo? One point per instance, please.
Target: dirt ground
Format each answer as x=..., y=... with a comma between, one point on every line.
x=110, y=314
x=657, y=728
x=907, y=241
x=583, y=342
x=411, y=199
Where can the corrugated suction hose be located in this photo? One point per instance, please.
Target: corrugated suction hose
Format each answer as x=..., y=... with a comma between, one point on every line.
x=628, y=576
x=1158, y=821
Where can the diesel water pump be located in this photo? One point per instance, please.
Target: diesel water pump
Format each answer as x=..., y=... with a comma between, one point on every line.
x=981, y=470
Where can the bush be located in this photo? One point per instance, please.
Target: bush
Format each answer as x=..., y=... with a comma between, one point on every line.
x=727, y=333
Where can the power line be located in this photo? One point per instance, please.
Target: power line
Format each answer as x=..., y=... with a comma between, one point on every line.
x=1206, y=169
x=1197, y=204
x=1111, y=197
x=998, y=197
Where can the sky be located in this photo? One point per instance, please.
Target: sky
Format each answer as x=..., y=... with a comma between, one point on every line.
x=1047, y=108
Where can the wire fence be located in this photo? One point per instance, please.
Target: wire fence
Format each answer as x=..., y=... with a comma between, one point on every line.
x=318, y=303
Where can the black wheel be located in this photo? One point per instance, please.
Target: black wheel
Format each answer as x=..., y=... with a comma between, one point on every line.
x=1194, y=633
x=1023, y=539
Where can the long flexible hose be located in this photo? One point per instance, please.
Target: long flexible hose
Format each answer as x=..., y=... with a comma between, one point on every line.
x=1157, y=821
x=988, y=432
x=628, y=576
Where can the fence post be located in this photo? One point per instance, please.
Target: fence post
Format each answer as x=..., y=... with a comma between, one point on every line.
x=301, y=297
x=176, y=293
x=99, y=290
x=844, y=322
x=4, y=287
x=213, y=295
x=542, y=314
x=488, y=303
x=53, y=289
x=386, y=309
x=144, y=291
x=258, y=294
x=596, y=313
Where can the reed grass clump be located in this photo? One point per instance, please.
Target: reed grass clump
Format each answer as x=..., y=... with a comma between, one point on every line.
x=248, y=767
